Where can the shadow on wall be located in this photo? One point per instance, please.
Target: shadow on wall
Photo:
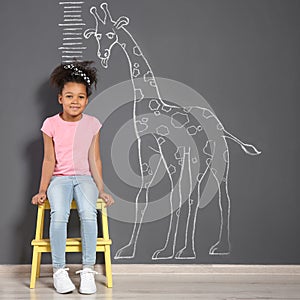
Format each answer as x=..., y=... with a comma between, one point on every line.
x=46, y=99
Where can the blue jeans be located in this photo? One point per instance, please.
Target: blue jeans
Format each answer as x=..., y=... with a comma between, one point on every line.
x=61, y=191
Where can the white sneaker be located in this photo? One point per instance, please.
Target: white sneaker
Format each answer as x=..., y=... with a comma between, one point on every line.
x=87, y=281
x=62, y=281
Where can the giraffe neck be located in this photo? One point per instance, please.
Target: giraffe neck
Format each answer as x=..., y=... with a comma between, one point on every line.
x=142, y=78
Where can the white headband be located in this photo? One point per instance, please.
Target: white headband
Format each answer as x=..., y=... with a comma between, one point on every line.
x=78, y=72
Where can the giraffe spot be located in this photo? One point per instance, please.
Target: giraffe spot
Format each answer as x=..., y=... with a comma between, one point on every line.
x=207, y=113
x=154, y=104
x=123, y=45
x=141, y=126
x=199, y=128
x=199, y=177
x=226, y=156
x=179, y=154
x=162, y=130
x=192, y=130
x=135, y=72
x=157, y=113
x=145, y=120
x=152, y=83
x=145, y=167
x=138, y=94
x=178, y=120
x=160, y=140
x=180, y=162
x=148, y=76
x=137, y=51
x=220, y=126
x=136, y=65
x=194, y=160
x=166, y=108
x=209, y=148
x=172, y=169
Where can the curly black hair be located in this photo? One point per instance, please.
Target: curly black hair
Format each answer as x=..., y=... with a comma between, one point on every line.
x=80, y=72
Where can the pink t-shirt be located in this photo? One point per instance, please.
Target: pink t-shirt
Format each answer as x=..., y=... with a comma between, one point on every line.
x=72, y=141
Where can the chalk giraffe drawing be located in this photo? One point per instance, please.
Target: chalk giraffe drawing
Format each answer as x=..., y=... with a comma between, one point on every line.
x=203, y=157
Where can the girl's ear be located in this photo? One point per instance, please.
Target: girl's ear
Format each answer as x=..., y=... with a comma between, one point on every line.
x=59, y=99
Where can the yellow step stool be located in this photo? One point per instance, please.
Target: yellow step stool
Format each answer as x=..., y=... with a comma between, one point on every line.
x=41, y=245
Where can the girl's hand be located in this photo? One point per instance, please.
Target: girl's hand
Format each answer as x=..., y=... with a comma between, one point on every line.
x=39, y=198
x=107, y=198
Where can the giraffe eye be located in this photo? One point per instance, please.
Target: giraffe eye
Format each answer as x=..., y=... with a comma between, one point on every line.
x=98, y=36
x=110, y=35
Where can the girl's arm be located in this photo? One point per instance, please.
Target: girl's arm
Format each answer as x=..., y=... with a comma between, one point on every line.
x=96, y=169
x=47, y=170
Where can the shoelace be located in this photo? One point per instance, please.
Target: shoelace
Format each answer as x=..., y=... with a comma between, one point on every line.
x=63, y=272
x=85, y=273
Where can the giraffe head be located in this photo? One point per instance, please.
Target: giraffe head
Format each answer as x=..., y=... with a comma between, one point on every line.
x=105, y=32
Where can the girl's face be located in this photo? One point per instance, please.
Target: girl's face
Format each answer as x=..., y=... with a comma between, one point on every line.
x=74, y=100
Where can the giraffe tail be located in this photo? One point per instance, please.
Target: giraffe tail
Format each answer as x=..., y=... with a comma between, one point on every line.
x=249, y=149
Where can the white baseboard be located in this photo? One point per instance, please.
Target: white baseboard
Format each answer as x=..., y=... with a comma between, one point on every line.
x=215, y=269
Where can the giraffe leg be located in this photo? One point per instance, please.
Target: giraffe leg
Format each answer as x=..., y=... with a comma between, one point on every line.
x=188, y=251
x=222, y=246
x=128, y=251
x=168, y=250
x=175, y=171
x=141, y=202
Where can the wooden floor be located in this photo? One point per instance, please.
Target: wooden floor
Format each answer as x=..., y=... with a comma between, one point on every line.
x=168, y=285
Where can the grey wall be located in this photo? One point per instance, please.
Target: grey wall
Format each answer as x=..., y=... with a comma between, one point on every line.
x=241, y=56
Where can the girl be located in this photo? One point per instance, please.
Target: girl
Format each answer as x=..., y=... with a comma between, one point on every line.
x=72, y=169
